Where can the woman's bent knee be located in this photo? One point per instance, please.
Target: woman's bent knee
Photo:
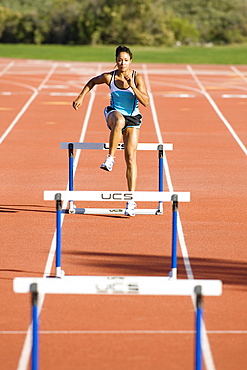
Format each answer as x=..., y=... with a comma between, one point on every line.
x=119, y=124
x=116, y=121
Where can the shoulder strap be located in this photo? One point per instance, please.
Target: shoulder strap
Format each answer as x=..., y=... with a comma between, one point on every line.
x=134, y=73
x=112, y=76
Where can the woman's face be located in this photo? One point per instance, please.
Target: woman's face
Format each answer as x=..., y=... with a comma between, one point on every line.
x=123, y=61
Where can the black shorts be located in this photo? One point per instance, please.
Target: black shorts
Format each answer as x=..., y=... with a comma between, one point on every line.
x=130, y=121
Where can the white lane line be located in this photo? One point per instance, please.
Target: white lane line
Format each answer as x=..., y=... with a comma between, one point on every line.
x=234, y=96
x=124, y=332
x=30, y=100
x=217, y=110
x=178, y=96
x=56, y=87
x=239, y=73
x=156, y=124
x=22, y=111
x=191, y=89
x=52, y=70
x=63, y=94
x=8, y=66
x=168, y=176
x=207, y=353
x=26, y=350
x=52, y=251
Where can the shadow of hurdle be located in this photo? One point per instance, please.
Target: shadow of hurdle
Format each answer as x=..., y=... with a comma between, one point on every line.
x=230, y=272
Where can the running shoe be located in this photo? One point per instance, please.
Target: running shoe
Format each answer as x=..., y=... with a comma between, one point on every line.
x=108, y=164
x=130, y=208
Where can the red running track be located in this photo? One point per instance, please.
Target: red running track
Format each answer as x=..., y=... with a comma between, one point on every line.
x=202, y=110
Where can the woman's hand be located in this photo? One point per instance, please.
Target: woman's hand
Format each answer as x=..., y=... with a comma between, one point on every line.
x=77, y=102
x=139, y=89
x=130, y=81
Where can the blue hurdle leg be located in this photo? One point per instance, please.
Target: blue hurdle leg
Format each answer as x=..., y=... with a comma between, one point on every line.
x=71, y=160
x=174, y=236
x=198, y=344
x=71, y=174
x=161, y=175
x=58, y=234
x=35, y=328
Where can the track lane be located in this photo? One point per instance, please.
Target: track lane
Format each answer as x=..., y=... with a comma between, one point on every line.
x=31, y=157
x=197, y=149
x=72, y=239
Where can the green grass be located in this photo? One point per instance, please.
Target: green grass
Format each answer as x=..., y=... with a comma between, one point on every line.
x=233, y=54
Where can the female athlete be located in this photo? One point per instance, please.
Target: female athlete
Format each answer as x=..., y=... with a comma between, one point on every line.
x=127, y=89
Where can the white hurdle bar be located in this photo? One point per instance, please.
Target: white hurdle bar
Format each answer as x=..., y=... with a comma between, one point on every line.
x=138, y=285
x=124, y=196
x=131, y=285
x=105, y=146
x=58, y=196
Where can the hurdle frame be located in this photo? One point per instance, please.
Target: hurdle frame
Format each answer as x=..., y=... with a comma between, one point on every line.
x=92, y=286
x=105, y=146
x=58, y=196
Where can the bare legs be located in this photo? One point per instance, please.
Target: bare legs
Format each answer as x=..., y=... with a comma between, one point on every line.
x=116, y=122
x=131, y=135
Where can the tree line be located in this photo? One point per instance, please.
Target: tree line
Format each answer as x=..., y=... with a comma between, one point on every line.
x=132, y=22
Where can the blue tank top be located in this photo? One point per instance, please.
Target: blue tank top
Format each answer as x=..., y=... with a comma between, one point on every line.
x=123, y=100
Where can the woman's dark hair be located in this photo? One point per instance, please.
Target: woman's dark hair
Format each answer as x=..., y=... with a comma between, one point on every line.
x=123, y=49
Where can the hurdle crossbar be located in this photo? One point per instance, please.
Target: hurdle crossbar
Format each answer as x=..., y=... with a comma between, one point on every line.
x=139, y=285
x=105, y=146
x=139, y=196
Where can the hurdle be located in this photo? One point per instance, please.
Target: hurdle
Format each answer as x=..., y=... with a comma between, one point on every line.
x=108, y=285
x=105, y=146
x=159, y=196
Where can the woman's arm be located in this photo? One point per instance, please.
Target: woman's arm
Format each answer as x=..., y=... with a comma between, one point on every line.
x=101, y=79
x=139, y=89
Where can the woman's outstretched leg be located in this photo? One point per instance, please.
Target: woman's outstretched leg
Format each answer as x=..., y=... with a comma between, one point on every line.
x=131, y=136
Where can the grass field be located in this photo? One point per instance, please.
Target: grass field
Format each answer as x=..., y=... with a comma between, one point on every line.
x=233, y=54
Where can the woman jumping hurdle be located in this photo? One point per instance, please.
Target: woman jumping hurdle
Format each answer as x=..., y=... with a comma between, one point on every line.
x=123, y=117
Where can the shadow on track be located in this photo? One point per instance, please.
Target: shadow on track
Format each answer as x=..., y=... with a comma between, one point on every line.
x=230, y=272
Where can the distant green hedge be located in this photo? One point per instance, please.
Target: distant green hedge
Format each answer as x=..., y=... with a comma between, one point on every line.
x=142, y=22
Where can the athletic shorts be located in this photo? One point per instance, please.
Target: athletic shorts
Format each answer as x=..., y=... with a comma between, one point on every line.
x=130, y=121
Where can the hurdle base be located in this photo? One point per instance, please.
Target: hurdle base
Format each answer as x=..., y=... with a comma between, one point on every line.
x=160, y=209
x=173, y=274
x=111, y=211
x=59, y=272
x=72, y=207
